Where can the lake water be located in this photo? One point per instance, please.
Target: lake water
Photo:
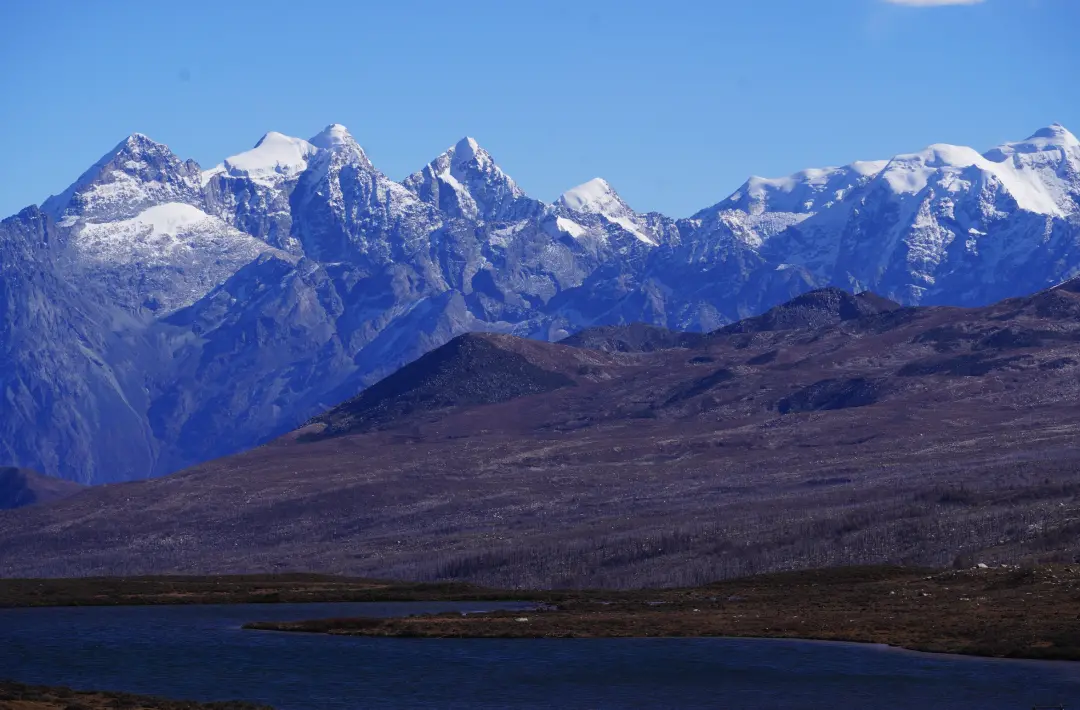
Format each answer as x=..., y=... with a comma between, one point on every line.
x=200, y=653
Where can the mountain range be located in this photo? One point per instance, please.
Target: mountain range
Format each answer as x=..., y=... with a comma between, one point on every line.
x=836, y=428
x=155, y=314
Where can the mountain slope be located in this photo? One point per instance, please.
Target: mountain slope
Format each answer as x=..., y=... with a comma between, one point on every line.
x=70, y=397
x=631, y=338
x=815, y=309
x=465, y=182
x=468, y=371
x=20, y=487
x=925, y=435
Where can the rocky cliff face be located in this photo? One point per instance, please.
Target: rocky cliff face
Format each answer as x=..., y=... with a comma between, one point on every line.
x=156, y=314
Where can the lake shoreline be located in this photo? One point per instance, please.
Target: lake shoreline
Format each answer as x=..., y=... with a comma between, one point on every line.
x=294, y=628
x=998, y=613
x=1005, y=612
x=47, y=697
x=134, y=649
x=241, y=589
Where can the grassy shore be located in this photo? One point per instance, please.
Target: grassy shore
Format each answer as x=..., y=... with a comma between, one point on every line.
x=1011, y=612
x=1005, y=612
x=17, y=696
x=239, y=589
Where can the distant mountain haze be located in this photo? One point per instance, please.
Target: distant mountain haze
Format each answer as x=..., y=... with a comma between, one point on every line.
x=156, y=314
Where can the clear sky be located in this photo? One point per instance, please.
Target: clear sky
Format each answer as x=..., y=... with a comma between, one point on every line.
x=675, y=103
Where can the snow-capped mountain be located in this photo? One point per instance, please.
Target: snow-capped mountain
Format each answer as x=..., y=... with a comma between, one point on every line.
x=465, y=182
x=158, y=314
x=251, y=190
x=134, y=225
x=597, y=197
x=950, y=225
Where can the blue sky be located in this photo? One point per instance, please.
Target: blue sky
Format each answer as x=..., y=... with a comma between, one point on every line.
x=675, y=103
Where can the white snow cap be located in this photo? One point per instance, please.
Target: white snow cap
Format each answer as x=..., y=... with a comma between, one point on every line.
x=1026, y=170
x=595, y=196
x=598, y=197
x=1054, y=132
x=275, y=156
x=138, y=138
x=1054, y=137
x=333, y=136
x=465, y=150
x=814, y=177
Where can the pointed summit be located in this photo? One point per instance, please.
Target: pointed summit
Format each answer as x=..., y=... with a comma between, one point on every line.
x=598, y=197
x=467, y=149
x=333, y=136
x=136, y=173
x=138, y=140
x=466, y=182
x=336, y=140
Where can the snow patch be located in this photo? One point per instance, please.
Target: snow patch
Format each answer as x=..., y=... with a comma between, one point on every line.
x=159, y=224
x=627, y=224
x=570, y=227
x=171, y=218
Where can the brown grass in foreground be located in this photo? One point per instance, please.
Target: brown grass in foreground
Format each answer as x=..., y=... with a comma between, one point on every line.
x=17, y=696
x=1007, y=612
x=236, y=589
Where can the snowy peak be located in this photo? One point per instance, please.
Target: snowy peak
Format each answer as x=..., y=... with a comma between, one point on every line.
x=597, y=197
x=467, y=157
x=1039, y=174
x=466, y=182
x=910, y=173
x=803, y=192
x=333, y=137
x=467, y=149
x=274, y=158
x=342, y=148
x=136, y=173
x=1054, y=135
x=1050, y=158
